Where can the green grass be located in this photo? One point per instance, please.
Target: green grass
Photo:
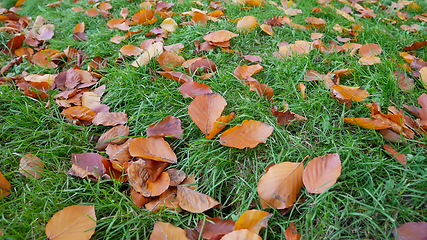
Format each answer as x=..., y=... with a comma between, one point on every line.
x=373, y=195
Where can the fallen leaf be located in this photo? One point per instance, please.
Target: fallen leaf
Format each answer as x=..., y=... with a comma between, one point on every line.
x=314, y=21
x=112, y=172
x=93, y=12
x=219, y=125
x=278, y=188
x=211, y=227
x=249, y=134
x=267, y=29
x=370, y=49
x=291, y=232
x=110, y=119
x=4, y=187
x=153, y=51
x=138, y=199
x=140, y=180
x=73, y=222
x=315, y=35
x=242, y=234
x=153, y=148
x=321, y=173
x=261, y=89
x=205, y=109
x=176, y=176
x=399, y=156
x=193, y=201
x=219, y=36
x=130, y=50
x=411, y=231
x=176, y=76
x=166, y=231
x=87, y=165
x=368, y=123
x=345, y=94
x=404, y=82
x=369, y=60
x=169, y=60
x=168, y=127
x=253, y=220
x=78, y=112
x=193, y=89
x=201, y=66
x=116, y=135
x=91, y=100
x=302, y=88
x=252, y=58
x=155, y=168
x=169, y=25
x=31, y=166
x=246, y=24
x=166, y=200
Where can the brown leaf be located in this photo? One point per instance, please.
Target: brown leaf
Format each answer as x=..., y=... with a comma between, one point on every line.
x=278, y=188
x=369, y=60
x=169, y=60
x=253, y=220
x=73, y=222
x=154, y=148
x=116, y=135
x=130, y=50
x=112, y=172
x=205, y=109
x=411, y=231
x=291, y=233
x=212, y=227
x=314, y=21
x=261, y=89
x=370, y=49
x=391, y=135
x=246, y=24
x=194, y=201
x=315, y=35
x=345, y=94
x=267, y=29
x=78, y=112
x=166, y=231
x=152, y=51
x=145, y=16
x=249, y=134
x=14, y=43
x=139, y=178
x=302, y=88
x=119, y=154
x=321, y=173
x=176, y=76
x=287, y=117
x=201, y=66
x=168, y=127
x=219, y=125
x=4, y=187
x=193, y=89
x=219, y=36
x=252, y=58
x=404, y=82
x=80, y=27
x=138, y=199
x=368, y=123
x=176, y=176
x=110, y=119
x=155, y=168
x=312, y=75
x=242, y=234
x=31, y=166
x=399, y=156
x=93, y=12
x=87, y=165
x=166, y=200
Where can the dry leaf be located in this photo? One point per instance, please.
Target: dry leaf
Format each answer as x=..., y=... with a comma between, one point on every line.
x=4, y=187
x=110, y=119
x=153, y=51
x=253, y=220
x=219, y=36
x=154, y=148
x=169, y=25
x=87, y=165
x=368, y=123
x=176, y=176
x=249, y=134
x=411, y=231
x=166, y=231
x=321, y=173
x=219, y=125
x=267, y=29
x=242, y=234
x=399, y=156
x=168, y=127
x=369, y=60
x=370, y=49
x=302, y=88
x=140, y=180
x=193, y=89
x=176, y=76
x=112, y=172
x=214, y=227
x=345, y=94
x=205, y=109
x=78, y=112
x=138, y=199
x=169, y=60
x=194, y=201
x=315, y=35
x=246, y=24
x=278, y=188
x=130, y=50
x=116, y=135
x=166, y=200
x=73, y=222
x=119, y=154
x=291, y=233
x=31, y=166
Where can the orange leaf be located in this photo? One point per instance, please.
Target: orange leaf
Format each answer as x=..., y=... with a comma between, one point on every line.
x=77, y=112
x=302, y=88
x=399, y=156
x=154, y=148
x=194, y=201
x=116, y=135
x=219, y=125
x=168, y=127
x=321, y=173
x=93, y=12
x=138, y=199
x=205, y=110
x=369, y=60
x=155, y=168
x=219, y=36
x=368, y=123
x=315, y=35
x=176, y=76
x=110, y=118
x=254, y=3
x=166, y=200
x=193, y=89
x=145, y=15
x=370, y=49
x=201, y=66
x=119, y=154
x=278, y=188
x=140, y=180
x=267, y=29
x=24, y=51
x=31, y=166
x=312, y=75
x=316, y=22
x=213, y=227
x=249, y=134
x=176, y=176
x=261, y=89
x=345, y=94
x=73, y=222
x=169, y=60
x=411, y=231
x=242, y=234
x=79, y=27
x=291, y=233
x=112, y=172
x=4, y=187
x=130, y=50
x=166, y=231
x=246, y=24
x=253, y=220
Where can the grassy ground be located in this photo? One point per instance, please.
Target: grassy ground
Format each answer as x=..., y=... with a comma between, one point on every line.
x=373, y=195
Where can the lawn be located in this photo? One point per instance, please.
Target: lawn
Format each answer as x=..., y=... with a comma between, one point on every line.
x=372, y=197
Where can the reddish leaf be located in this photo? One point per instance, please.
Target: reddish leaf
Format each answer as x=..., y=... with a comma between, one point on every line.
x=87, y=165
x=399, y=156
x=166, y=231
x=93, y=12
x=205, y=110
x=130, y=50
x=31, y=166
x=415, y=45
x=176, y=76
x=253, y=220
x=154, y=148
x=370, y=49
x=219, y=36
x=411, y=231
x=249, y=134
x=166, y=200
x=169, y=60
x=316, y=22
x=81, y=113
x=139, y=178
x=73, y=222
x=155, y=168
x=404, y=82
x=193, y=89
x=138, y=199
x=168, y=127
x=194, y=201
x=369, y=60
x=119, y=154
x=201, y=66
x=291, y=233
x=261, y=89
x=278, y=188
x=219, y=125
x=252, y=58
x=321, y=173
x=4, y=187
x=212, y=227
x=116, y=135
x=110, y=119
x=112, y=172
